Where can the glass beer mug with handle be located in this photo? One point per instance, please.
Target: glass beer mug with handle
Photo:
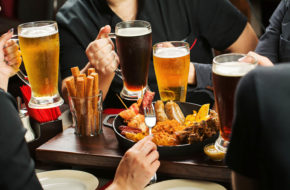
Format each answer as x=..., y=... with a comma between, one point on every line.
x=227, y=70
x=39, y=45
x=134, y=44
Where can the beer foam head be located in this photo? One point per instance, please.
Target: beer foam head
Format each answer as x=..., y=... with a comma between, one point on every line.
x=171, y=52
x=39, y=31
x=233, y=68
x=134, y=31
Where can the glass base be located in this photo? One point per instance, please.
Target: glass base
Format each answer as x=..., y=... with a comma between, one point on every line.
x=221, y=144
x=45, y=102
x=132, y=95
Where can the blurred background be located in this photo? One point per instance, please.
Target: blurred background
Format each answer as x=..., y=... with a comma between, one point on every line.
x=14, y=12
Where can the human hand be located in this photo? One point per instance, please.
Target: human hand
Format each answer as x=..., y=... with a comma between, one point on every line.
x=137, y=166
x=262, y=60
x=101, y=53
x=10, y=57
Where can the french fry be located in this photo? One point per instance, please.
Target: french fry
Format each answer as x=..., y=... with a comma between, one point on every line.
x=91, y=70
x=80, y=94
x=89, y=102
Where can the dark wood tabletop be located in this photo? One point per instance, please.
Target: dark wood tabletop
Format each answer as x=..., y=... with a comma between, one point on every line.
x=103, y=151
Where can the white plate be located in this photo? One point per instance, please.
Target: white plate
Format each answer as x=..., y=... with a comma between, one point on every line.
x=67, y=180
x=182, y=184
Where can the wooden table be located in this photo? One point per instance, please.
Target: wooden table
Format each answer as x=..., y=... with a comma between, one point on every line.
x=104, y=152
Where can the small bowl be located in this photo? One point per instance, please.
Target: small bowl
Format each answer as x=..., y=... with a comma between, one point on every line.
x=213, y=153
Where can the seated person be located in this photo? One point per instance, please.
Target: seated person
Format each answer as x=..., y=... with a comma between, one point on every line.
x=258, y=154
x=275, y=43
x=135, y=170
x=215, y=24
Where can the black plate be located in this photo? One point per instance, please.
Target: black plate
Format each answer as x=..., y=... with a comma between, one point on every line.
x=165, y=151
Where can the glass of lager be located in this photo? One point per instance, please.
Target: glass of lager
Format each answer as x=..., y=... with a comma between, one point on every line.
x=39, y=45
x=227, y=70
x=134, y=44
x=171, y=63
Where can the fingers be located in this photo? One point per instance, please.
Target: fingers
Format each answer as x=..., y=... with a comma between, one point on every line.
x=10, y=47
x=147, y=148
x=155, y=165
x=262, y=60
x=104, y=32
x=152, y=156
x=142, y=142
x=5, y=37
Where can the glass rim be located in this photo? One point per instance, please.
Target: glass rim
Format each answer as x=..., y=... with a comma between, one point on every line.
x=233, y=54
x=185, y=44
x=35, y=23
x=148, y=25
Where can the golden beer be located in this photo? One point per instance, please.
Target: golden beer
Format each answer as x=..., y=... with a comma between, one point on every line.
x=40, y=51
x=171, y=66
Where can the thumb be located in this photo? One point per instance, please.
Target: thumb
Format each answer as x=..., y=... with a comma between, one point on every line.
x=104, y=32
x=4, y=38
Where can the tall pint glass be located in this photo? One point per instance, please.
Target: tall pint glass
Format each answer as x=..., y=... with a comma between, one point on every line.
x=226, y=72
x=171, y=64
x=39, y=45
x=134, y=44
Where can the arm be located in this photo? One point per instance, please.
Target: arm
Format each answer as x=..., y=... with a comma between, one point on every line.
x=16, y=165
x=200, y=74
x=269, y=42
x=246, y=42
x=137, y=166
x=10, y=59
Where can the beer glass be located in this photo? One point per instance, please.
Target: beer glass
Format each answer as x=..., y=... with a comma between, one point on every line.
x=134, y=44
x=171, y=63
x=39, y=45
x=227, y=70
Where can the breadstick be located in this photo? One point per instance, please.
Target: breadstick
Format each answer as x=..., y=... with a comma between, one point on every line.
x=70, y=85
x=80, y=94
x=95, y=100
x=89, y=111
x=91, y=70
x=75, y=73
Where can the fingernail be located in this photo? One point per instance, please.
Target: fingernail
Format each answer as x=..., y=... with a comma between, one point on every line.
x=11, y=30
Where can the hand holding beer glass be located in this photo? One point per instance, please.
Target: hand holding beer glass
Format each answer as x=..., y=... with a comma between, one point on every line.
x=227, y=70
x=171, y=64
x=134, y=44
x=39, y=45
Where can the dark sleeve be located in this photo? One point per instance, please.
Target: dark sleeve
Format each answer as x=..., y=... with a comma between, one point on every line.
x=16, y=166
x=203, y=74
x=243, y=150
x=220, y=23
x=72, y=53
x=269, y=42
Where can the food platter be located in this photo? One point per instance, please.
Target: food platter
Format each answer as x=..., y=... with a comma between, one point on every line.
x=164, y=151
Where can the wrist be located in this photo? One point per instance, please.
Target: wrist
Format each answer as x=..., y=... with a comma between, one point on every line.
x=4, y=82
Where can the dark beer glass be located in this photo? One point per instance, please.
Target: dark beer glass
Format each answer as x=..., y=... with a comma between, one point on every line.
x=226, y=72
x=134, y=44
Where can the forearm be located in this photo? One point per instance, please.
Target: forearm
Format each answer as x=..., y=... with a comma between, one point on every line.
x=191, y=74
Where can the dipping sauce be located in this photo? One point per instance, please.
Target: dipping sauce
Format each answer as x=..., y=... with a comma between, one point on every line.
x=213, y=153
